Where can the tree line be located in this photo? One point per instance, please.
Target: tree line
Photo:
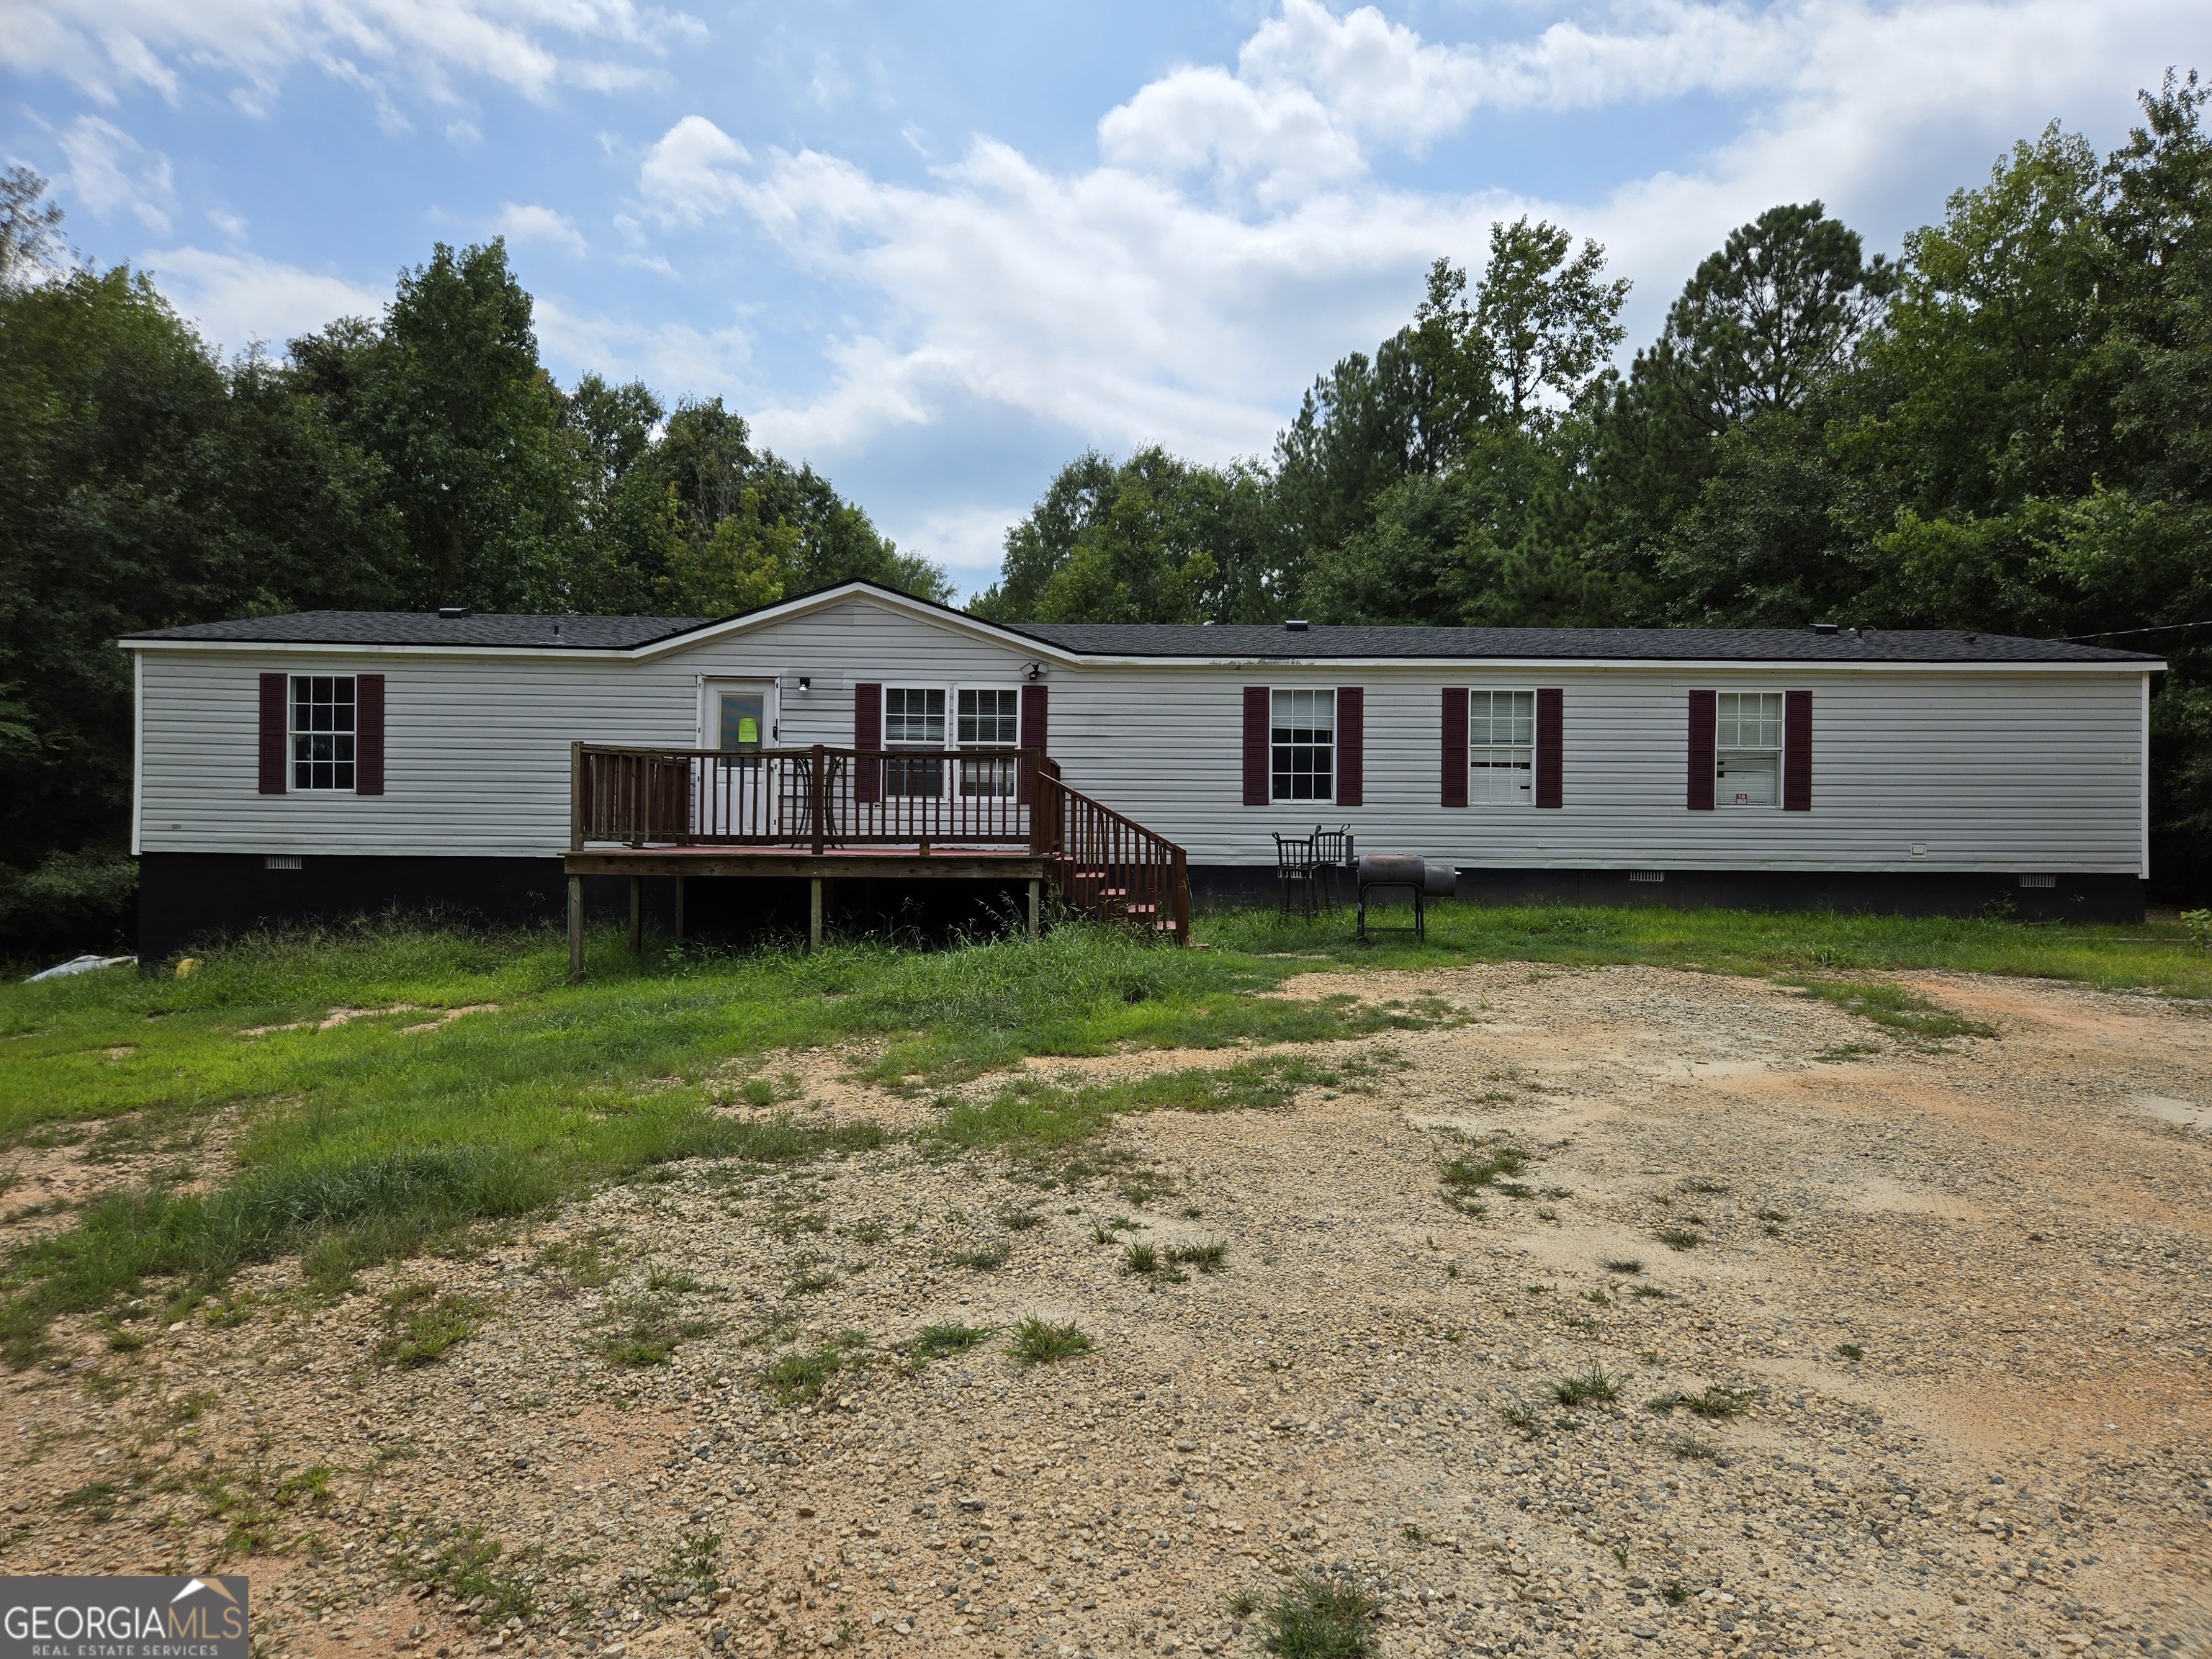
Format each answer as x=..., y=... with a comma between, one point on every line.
x=420, y=458
x=2007, y=429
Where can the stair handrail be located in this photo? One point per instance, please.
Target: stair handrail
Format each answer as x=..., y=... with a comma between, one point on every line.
x=1162, y=867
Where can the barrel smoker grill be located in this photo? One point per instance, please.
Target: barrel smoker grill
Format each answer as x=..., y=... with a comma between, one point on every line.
x=1420, y=877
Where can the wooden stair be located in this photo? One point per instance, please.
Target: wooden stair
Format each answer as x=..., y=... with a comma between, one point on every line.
x=1108, y=865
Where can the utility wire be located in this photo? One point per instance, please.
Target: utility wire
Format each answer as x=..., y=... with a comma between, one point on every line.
x=2118, y=633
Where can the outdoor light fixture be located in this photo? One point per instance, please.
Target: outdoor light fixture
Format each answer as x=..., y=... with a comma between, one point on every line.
x=805, y=682
x=1032, y=671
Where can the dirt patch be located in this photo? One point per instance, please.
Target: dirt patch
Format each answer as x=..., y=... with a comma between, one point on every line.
x=337, y=1017
x=1911, y=1345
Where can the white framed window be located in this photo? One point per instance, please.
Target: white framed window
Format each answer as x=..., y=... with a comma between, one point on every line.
x=1302, y=746
x=1501, y=748
x=1747, y=749
x=322, y=731
x=913, y=718
x=988, y=717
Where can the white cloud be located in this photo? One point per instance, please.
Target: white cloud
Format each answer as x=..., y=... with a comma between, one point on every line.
x=522, y=225
x=666, y=356
x=966, y=542
x=418, y=47
x=240, y=299
x=111, y=173
x=1234, y=238
x=687, y=173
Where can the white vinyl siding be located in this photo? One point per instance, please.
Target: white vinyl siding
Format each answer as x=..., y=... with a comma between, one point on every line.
x=1501, y=745
x=1990, y=769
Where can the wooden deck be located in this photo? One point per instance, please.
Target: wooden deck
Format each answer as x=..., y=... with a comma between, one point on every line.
x=819, y=814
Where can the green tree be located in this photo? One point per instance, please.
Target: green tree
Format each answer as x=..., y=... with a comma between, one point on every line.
x=1151, y=539
x=143, y=482
x=1547, y=319
x=742, y=527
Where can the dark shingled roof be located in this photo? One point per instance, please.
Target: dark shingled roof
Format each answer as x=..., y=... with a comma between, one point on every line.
x=1169, y=641
x=426, y=628
x=1799, y=645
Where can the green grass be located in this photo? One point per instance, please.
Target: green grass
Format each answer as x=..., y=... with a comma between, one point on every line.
x=1038, y=1343
x=1715, y=1404
x=1486, y=1165
x=1040, y=1117
x=802, y=1378
x=1591, y=1384
x=420, y=1326
x=646, y=1330
x=941, y=1341
x=2135, y=956
x=1895, y=1009
x=1319, y=1617
x=366, y=1143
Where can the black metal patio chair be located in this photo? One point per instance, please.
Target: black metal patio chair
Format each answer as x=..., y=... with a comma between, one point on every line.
x=1294, y=874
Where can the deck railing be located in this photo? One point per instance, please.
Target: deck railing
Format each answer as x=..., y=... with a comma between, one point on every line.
x=807, y=800
x=822, y=799
x=1109, y=865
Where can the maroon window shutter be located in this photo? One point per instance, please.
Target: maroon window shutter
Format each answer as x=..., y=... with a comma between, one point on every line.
x=1455, y=756
x=368, y=734
x=868, y=733
x=1352, y=745
x=1797, y=752
x=1551, y=709
x=1033, y=717
x=1704, y=714
x=1255, y=745
x=1032, y=734
x=275, y=694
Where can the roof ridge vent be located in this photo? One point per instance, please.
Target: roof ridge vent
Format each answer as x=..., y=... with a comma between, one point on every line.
x=451, y=612
x=1824, y=628
x=1294, y=625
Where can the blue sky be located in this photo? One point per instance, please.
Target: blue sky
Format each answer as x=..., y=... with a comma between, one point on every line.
x=937, y=250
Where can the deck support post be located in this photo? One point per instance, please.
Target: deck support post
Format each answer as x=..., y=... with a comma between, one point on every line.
x=575, y=928
x=679, y=906
x=813, y=915
x=1037, y=902
x=637, y=915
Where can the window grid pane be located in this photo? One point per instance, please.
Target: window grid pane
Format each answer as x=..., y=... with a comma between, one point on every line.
x=912, y=714
x=1747, y=764
x=989, y=719
x=1302, y=749
x=993, y=778
x=322, y=731
x=1501, y=748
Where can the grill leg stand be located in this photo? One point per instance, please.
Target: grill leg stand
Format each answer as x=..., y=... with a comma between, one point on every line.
x=814, y=915
x=679, y=906
x=1037, y=901
x=575, y=928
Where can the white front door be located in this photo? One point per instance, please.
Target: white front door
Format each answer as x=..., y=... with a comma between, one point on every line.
x=736, y=718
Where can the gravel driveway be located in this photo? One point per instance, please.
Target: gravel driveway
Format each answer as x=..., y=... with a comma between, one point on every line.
x=1922, y=1370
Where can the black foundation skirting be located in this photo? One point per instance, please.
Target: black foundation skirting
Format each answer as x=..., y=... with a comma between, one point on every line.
x=191, y=899
x=188, y=898
x=1903, y=892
